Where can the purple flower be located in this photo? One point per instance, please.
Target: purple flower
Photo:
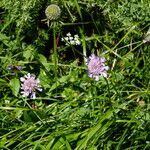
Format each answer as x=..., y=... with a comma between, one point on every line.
x=30, y=85
x=14, y=69
x=96, y=67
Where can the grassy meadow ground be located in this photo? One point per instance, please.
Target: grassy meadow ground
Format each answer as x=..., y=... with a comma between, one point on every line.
x=71, y=110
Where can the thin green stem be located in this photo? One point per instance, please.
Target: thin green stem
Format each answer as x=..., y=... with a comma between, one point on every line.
x=55, y=51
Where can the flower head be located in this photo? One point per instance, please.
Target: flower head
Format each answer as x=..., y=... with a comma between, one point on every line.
x=70, y=40
x=30, y=85
x=52, y=12
x=96, y=67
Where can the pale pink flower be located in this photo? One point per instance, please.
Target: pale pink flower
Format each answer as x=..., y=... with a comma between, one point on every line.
x=96, y=67
x=30, y=85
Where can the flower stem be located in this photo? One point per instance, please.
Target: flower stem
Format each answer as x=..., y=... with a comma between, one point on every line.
x=55, y=51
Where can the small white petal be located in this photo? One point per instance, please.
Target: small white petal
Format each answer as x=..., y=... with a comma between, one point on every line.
x=28, y=75
x=66, y=38
x=78, y=42
x=103, y=60
x=38, y=81
x=96, y=78
x=92, y=56
x=90, y=75
x=22, y=79
x=86, y=61
x=68, y=34
x=106, y=68
x=25, y=94
x=104, y=74
x=76, y=36
x=40, y=89
x=33, y=95
x=72, y=42
x=70, y=38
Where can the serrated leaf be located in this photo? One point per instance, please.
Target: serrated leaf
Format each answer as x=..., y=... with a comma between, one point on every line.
x=15, y=86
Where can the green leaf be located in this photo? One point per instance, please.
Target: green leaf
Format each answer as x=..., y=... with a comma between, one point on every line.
x=28, y=53
x=2, y=82
x=42, y=59
x=63, y=79
x=15, y=86
x=4, y=39
x=2, y=142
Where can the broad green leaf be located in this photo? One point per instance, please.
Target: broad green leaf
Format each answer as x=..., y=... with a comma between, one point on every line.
x=15, y=86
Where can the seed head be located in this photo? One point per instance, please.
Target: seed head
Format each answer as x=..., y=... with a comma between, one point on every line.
x=52, y=12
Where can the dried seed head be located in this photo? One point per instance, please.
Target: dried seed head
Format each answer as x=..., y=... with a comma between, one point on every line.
x=52, y=12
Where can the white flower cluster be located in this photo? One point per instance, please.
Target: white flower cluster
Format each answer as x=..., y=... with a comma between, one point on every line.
x=70, y=40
